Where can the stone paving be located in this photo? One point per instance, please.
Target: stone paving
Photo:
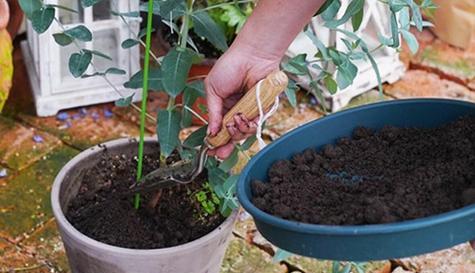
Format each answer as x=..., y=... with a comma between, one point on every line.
x=33, y=149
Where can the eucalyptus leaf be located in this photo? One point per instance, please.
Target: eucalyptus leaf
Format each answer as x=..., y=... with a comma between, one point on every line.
x=89, y=3
x=375, y=68
x=175, y=68
x=411, y=41
x=154, y=80
x=204, y=26
x=230, y=162
x=165, y=8
x=62, y=7
x=325, y=6
x=346, y=73
x=394, y=31
x=216, y=176
x=248, y=143
x=126, y=14
x=281, y=255
x=41, y=19
x=357, y=19
x=229, y=186
x=30, y=6
x=321, y=47
x=62, y=39
x=337, y=57
x=348, y=44
x=79, y=62
x=384, y=40
x=290, y=92
x=81, y=33
x=335, y=267
x=115, y=71
x=296, y=65
x=124, y=102
x=330, y=84
x=196, y=138
x=416, y=14
x=129, y=43
x=353, y=8
x=405, y=18
x=346, y=268
x=331, y=11
x=192, y=91
x=168, y=129
x=98, y=53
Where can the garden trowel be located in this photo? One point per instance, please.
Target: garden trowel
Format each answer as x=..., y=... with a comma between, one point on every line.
x=184, y=172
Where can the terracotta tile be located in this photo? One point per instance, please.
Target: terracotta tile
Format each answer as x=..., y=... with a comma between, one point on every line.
x=46, y=243
x=244, y=258
x=288, y=118
x=15, y=261
x=419, y=83
x=25, y=200
x=458, y=259
x=447, y=61
x=20, y=146
x=156, y=101
x=84, y=127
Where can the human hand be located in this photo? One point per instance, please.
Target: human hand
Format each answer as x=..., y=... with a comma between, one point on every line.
x=237, y=71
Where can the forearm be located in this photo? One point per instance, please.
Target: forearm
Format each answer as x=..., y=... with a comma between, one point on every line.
x=274, y=24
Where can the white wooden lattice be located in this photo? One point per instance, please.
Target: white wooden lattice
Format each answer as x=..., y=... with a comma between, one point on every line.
x=54, y=88
x=375, y=20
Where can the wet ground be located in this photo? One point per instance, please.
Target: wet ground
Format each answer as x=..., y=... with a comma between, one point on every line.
x=33, y=149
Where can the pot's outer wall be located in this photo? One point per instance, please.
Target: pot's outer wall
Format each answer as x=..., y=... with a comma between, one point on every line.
x=86, y=255
x=360, y=243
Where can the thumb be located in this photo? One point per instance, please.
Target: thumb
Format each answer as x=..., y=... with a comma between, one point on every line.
x=215, y=110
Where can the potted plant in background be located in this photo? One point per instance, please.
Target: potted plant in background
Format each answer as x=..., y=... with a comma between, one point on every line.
x=229, y=16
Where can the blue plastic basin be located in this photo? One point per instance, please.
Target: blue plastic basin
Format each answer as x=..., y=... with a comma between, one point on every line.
x=364, y=242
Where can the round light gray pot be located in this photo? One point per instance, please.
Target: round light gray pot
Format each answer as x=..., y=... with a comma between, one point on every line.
x=86, y=255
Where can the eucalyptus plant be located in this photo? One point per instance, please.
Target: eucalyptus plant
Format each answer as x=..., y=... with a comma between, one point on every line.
x=169, y=73
x=328, y=59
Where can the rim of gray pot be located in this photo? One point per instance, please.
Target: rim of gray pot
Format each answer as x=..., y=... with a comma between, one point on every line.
x=69, y=228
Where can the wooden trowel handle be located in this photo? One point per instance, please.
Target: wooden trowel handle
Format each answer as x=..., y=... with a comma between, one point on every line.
x=274, y=84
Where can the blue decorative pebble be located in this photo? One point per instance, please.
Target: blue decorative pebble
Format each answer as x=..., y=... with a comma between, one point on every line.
x=38, y=139
x=313, y=100
x=83, y=111
x=95, y=116
x=108, y=113
x=62, y=116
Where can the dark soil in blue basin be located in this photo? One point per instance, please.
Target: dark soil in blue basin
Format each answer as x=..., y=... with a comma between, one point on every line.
x=391, y=175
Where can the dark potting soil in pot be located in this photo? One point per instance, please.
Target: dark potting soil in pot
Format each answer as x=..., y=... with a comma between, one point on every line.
x=387, y=176
x=101, y=212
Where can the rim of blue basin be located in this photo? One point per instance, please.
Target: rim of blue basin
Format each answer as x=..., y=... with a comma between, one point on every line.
x=345, y=230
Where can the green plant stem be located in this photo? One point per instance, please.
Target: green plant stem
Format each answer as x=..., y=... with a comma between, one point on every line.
x=184, y=30
x=144, y=98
